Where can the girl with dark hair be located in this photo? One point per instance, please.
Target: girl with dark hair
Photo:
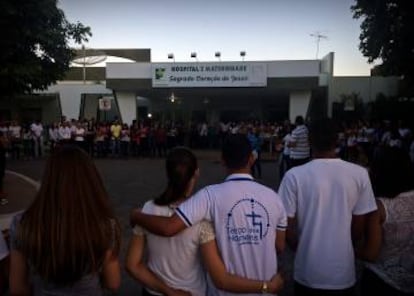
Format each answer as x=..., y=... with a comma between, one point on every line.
x=173, y=260
x=68, y=239
x=390, y=236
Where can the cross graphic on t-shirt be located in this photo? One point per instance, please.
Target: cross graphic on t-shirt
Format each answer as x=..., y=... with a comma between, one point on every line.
x=254, y=222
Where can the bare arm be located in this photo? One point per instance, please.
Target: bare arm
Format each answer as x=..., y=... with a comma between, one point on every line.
x=357, y=228
x=19, y=280
x=111, y=271
x=371, y=246
x=164, y=226
x=233, y=283
x=280, y=241
x=291, y=234
x=139, y=270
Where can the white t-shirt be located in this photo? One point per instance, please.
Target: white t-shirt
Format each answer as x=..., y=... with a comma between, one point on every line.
x=323, y=195
x=65, y=133
x=176, y=260
x=37, y=129
x=246, y=216
x=15, y=131
x=79, y=134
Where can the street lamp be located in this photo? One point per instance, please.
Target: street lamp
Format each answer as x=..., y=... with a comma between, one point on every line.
x=243, y=54
x=171, y=57
x=218, y=55
x=194, y=56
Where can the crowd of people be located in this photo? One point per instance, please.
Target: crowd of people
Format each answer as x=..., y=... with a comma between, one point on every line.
x=227, y=238
x=148, y=138
x=143, y=138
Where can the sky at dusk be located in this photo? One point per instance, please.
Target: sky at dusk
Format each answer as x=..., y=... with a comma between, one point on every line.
x=265, y=29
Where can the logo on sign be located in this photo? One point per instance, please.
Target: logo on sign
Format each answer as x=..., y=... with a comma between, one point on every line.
x=159, y=73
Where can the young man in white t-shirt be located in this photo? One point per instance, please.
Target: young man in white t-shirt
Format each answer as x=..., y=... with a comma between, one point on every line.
x=37, y=131
x=249, y=218
x=324, y=200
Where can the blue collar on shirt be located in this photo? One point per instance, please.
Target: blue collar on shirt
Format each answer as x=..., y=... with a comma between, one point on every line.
x=239, y=177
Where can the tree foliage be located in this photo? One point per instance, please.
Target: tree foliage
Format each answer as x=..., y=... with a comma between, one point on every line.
x=35, y=48
x=387, y=32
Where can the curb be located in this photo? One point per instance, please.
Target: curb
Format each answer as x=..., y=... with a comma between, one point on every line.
x=26, y=178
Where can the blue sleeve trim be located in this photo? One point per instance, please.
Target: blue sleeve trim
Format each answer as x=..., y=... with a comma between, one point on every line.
x=184, y=217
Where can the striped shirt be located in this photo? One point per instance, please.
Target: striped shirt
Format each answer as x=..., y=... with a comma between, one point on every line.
x=300, y=136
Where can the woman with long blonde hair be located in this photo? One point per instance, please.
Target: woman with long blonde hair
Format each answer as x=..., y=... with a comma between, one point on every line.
x=67, y=242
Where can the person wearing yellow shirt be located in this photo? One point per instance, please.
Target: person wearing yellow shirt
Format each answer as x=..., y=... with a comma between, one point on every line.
x=116, y=128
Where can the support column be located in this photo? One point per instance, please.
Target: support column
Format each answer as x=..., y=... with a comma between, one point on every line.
x=127, y=104
x=299, y=104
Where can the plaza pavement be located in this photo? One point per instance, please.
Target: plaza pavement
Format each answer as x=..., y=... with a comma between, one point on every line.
x=130, y=182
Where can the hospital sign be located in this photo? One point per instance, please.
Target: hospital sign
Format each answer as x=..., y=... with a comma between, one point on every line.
x=223, y=74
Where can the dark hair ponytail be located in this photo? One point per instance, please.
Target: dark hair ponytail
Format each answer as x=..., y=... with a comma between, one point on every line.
x=181, y=165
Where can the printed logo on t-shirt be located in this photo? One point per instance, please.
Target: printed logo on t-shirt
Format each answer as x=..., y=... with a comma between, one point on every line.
x=247, y=227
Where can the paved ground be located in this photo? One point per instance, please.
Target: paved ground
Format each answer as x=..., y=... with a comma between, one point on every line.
x=131, y=182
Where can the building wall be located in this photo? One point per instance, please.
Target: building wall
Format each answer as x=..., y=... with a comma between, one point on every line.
x=51, y=111
x=368, y=87
x=70, y=95
x=275, y=69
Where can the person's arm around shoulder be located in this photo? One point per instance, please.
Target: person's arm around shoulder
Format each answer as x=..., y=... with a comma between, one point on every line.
x=160, y=225
x=190, y=212
x=138, y=269
x=226, y=281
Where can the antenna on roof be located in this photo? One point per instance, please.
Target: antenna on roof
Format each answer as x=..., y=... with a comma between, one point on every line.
x=318, y=36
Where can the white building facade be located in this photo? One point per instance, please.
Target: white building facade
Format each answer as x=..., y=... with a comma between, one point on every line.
x=206, y=91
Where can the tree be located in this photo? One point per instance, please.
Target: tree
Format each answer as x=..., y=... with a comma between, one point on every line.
x=35, y=48
x=387, y=31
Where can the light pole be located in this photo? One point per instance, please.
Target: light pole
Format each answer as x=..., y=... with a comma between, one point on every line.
x=194, y=56
x=171, y=57
x=243, y=54
x=218, y=55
